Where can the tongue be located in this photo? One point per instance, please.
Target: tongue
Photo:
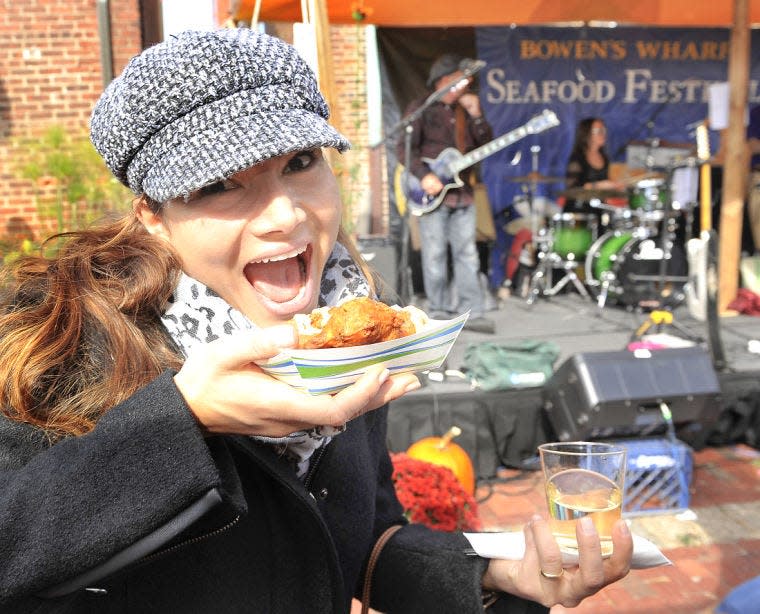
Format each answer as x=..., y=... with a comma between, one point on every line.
x=279, y=281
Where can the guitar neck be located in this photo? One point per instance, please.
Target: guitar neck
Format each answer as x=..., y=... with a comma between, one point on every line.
x=705, y=201
x=490, y=148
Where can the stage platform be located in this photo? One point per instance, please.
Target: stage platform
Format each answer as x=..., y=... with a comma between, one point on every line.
x=502, y=428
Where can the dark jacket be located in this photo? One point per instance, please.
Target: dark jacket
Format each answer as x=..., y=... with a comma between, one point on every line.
x=145, y=515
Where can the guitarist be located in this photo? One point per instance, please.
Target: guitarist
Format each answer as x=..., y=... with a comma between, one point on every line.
x=454, y=120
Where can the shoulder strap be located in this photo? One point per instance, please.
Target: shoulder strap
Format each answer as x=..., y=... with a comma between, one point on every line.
x=374, y=555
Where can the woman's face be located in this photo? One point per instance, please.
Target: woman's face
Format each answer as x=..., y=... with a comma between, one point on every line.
x=598, y=135
x=261, y=238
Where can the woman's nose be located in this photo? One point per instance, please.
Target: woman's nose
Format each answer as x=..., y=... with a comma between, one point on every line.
x=280, y=213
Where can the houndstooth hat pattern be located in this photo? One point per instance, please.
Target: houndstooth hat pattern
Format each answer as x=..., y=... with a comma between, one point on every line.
x=202, y=106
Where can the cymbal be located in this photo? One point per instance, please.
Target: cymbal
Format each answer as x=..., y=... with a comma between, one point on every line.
x=535, y=177
x=586, y=194
x=632, y=181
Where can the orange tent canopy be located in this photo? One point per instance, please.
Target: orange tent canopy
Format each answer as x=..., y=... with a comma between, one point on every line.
x=491, y=12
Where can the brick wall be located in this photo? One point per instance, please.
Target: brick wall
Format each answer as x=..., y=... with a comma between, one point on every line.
x=358, y=169
x=50, y=74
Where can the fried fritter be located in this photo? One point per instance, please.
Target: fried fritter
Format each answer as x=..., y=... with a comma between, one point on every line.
x=358, y=321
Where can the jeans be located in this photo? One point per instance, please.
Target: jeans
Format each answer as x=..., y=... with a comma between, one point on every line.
x=456, y=227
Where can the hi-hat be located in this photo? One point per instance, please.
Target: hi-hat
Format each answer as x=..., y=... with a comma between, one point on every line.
x=535, y=177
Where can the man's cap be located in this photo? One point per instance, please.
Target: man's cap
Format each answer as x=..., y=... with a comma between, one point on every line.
x=202, y=106
x=445, y=65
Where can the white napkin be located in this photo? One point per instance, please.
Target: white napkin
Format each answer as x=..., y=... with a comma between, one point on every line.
x=511, y=545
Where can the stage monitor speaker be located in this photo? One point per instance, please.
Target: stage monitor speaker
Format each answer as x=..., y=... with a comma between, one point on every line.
x=603, y=395
x=380, y=252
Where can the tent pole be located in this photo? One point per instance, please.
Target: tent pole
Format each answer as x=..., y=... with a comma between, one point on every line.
x=319, y=18
x=735, y=170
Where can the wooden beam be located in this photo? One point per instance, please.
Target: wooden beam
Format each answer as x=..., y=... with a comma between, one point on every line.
x=735, y=170
x=318, y=16
x=443, y=13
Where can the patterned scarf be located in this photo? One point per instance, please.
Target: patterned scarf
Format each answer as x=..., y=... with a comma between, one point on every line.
x=196, y=315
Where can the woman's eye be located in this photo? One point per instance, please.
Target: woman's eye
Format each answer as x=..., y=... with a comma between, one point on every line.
x=301, y=161
x=217, y=187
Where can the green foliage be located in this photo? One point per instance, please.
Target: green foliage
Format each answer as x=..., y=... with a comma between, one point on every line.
x=73, y=187
x=348, y=180
x=12, y=249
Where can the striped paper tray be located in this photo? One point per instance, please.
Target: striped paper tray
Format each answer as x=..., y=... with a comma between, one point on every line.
x=330, y=370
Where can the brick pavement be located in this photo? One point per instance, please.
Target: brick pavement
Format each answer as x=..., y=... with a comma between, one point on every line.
x=714, y=546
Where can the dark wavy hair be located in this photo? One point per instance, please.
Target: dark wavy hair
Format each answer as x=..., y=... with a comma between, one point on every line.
x=81, y=331
x=582, y=137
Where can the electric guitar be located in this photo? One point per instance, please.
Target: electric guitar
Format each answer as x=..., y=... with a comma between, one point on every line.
x=702, y=253
x=696, y=289
x=450, y=162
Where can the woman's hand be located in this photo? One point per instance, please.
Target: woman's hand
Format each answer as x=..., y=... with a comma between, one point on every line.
x=228, y=393
x=571, y=585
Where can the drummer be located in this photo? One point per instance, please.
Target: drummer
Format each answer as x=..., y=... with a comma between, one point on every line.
x=588, y=165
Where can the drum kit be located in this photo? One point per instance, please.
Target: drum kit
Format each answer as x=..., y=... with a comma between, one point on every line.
x=623, y=247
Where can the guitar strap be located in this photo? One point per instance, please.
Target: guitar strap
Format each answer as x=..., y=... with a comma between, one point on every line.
x=460, y=124
x=459, y=127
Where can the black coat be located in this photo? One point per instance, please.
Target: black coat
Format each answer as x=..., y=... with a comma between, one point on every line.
x=145, y=515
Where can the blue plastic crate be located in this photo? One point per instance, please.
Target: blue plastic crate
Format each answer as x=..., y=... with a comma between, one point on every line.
x=657, y=476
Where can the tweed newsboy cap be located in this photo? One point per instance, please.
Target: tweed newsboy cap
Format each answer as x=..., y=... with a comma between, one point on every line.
x=202, y=106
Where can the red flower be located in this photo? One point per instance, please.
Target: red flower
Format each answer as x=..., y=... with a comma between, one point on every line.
x=432, y=495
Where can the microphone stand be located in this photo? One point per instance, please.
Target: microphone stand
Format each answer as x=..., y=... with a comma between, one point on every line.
x=406, y=123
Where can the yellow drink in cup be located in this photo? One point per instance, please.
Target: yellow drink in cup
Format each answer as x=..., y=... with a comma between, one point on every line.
x=583, y=479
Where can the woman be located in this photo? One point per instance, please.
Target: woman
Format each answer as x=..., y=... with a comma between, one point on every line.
x=147, y=464
x=588, y=166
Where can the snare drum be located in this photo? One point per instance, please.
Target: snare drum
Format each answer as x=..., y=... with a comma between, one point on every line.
x=573, y=234
x=650, y=197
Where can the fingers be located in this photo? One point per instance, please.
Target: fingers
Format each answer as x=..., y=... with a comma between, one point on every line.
x=372, y=390
x=396, y=386
x=549, y=555
x=352, y=401
x=619, y=563
x=542, y=576
x=250, y=346
x=228, y=393
x=431, y=183
x=596, y=572
x=589, y=554
x=471, y=103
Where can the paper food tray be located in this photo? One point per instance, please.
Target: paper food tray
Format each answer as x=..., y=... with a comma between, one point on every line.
x=330, y=370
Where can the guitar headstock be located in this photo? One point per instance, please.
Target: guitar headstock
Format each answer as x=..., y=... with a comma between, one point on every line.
x=545, y=120
x=703, y=142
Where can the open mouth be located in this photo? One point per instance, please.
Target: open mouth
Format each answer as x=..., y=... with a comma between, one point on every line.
x=280, y=278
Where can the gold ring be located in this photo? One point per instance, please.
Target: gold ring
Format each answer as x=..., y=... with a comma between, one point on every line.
x=552, y=576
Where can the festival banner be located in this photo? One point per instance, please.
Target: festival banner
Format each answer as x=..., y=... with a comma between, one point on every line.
x=649, y=85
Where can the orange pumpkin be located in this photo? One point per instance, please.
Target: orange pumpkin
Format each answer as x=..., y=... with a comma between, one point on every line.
x=443, y=451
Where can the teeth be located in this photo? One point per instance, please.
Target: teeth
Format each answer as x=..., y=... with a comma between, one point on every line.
x=285, y=256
